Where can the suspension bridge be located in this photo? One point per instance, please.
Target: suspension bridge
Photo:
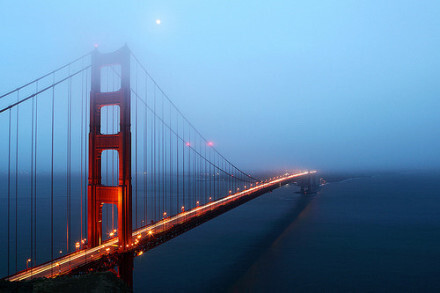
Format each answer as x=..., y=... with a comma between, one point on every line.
x=99, y=164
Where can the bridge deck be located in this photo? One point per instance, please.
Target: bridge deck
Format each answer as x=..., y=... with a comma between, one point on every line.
x=67, y=263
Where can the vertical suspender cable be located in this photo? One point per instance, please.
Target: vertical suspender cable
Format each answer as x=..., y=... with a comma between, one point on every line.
x=171, y=166
x=197, y=174
x=200, y=198
x=237, y=179
x=212, y=169
x=9, y=188
x=214, y=172
x=227, y=176
x=212, y=164
x=16, y=185
x=136, y=152
x=234, y=180
x=215, y=176
x=190, y=195
x=177, y=163
x=32, y=183
x=231, y=178
x=163, y=157
x=69, y=148
x=183, y=164
x=113, y=168
x=201, y=159
x=204, y=195
x=193, y=169
x=190, y=170
x=159, y=170
x=35, y=179
x=152, y=164
x=146, y=153
x=205, y=183
x=209, y=170
x=84, y=157
x=81, y=156
x=218, y=179
x=224, y=179
x=51, y=179
x=154, y=157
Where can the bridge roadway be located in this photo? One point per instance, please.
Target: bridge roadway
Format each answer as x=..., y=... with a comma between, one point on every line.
x=67, y=263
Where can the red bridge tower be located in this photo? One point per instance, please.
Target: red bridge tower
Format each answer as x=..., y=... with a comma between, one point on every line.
x=99, y=194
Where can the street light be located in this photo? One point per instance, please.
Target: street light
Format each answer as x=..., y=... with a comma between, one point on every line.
x=27, y=262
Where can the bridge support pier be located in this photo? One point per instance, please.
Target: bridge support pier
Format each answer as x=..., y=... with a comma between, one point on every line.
x=125, y=268
x=99, y=194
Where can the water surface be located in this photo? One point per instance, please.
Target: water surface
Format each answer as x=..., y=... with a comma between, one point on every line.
x=377, y=233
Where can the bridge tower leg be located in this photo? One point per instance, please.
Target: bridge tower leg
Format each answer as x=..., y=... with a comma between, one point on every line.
x=99, y=194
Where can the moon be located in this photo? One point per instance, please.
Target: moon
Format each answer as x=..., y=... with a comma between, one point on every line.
x=157, y=21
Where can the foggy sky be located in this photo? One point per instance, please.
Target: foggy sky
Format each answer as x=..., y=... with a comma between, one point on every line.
x=330, y=85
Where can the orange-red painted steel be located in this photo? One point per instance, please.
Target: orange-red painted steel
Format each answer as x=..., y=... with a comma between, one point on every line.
x=121, y=142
